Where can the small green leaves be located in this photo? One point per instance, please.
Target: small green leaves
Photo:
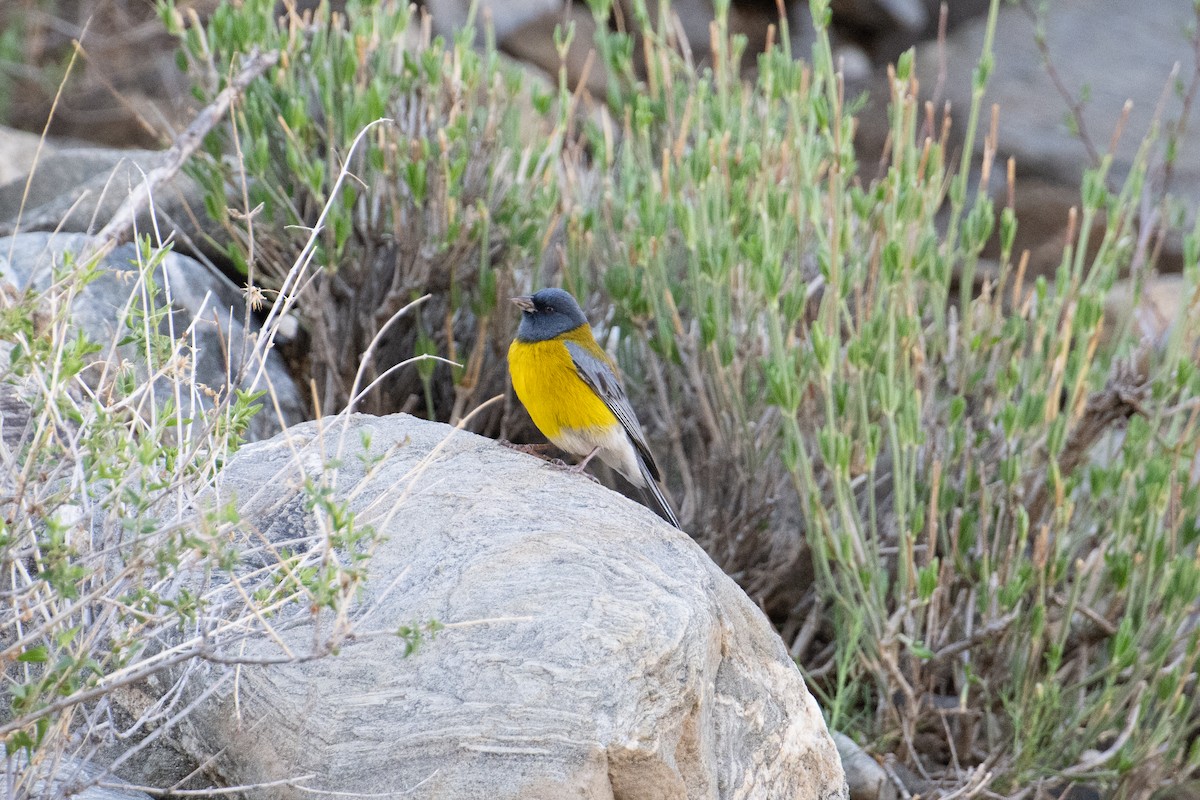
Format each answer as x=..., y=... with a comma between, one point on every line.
x=413, y=635
x=34, y=655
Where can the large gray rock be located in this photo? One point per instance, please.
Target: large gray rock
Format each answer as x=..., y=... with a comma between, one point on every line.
x=202, y=301
x=17, y=150
x=1119, y=50
x=78, y=189
x=590, y=650
x=504, y=16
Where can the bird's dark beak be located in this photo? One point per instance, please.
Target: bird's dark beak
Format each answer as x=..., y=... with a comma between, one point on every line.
x=524, y=302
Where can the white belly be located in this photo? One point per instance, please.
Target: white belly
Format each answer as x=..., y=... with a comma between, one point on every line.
x=615, y=449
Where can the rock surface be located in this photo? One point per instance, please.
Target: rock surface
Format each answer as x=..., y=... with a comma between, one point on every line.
x=1105, y=52
x=864, y=777
x=202, y=301
x=1131, y=50
x=17, y=150
x=78, y=189
x=69, y=776
x=590, y=650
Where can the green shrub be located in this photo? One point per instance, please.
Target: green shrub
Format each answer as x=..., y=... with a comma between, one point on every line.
x=452, y=196
x=1008, y=575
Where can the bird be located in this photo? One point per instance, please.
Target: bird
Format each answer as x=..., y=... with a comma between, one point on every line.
x=573, y=393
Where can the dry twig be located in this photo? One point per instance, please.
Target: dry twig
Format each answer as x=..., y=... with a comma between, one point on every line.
x=184, y=146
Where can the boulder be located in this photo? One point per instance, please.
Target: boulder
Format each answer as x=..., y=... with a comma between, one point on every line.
x=1148, y=40
x=202, y=300
x=505, y=17
x=77, y=189
x=17, y=149
x=587, y=649
x=1086, y=39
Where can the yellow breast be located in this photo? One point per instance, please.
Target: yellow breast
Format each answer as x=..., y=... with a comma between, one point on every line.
x=556, y=398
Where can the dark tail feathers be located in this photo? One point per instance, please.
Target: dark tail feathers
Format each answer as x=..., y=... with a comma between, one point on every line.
x=654, y=497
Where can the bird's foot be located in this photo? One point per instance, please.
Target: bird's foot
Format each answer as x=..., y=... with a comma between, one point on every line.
x=539, y=450
x=574, y=469
x=530, y=449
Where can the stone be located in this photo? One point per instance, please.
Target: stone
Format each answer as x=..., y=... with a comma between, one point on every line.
x=1148, y=42
x=17, y=149
x=199, y=295
x=1131, y=51
x=890, y=41
x=864, y=777
x=533, y=43
x=504, y=16
x=526, y=32
x=1154, y=316
x=589, y=650
x=909, y=15
x=77, y=189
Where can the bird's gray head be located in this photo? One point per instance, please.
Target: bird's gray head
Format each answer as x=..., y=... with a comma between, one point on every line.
x=546, y=314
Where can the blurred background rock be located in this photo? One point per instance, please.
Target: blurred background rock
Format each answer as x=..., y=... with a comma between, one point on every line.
x=125, y=89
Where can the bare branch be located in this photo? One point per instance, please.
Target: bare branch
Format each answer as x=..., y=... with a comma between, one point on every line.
x=1074, y=104
x=185, y=144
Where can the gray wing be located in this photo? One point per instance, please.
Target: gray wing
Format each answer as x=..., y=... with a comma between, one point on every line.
x=597, y=374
